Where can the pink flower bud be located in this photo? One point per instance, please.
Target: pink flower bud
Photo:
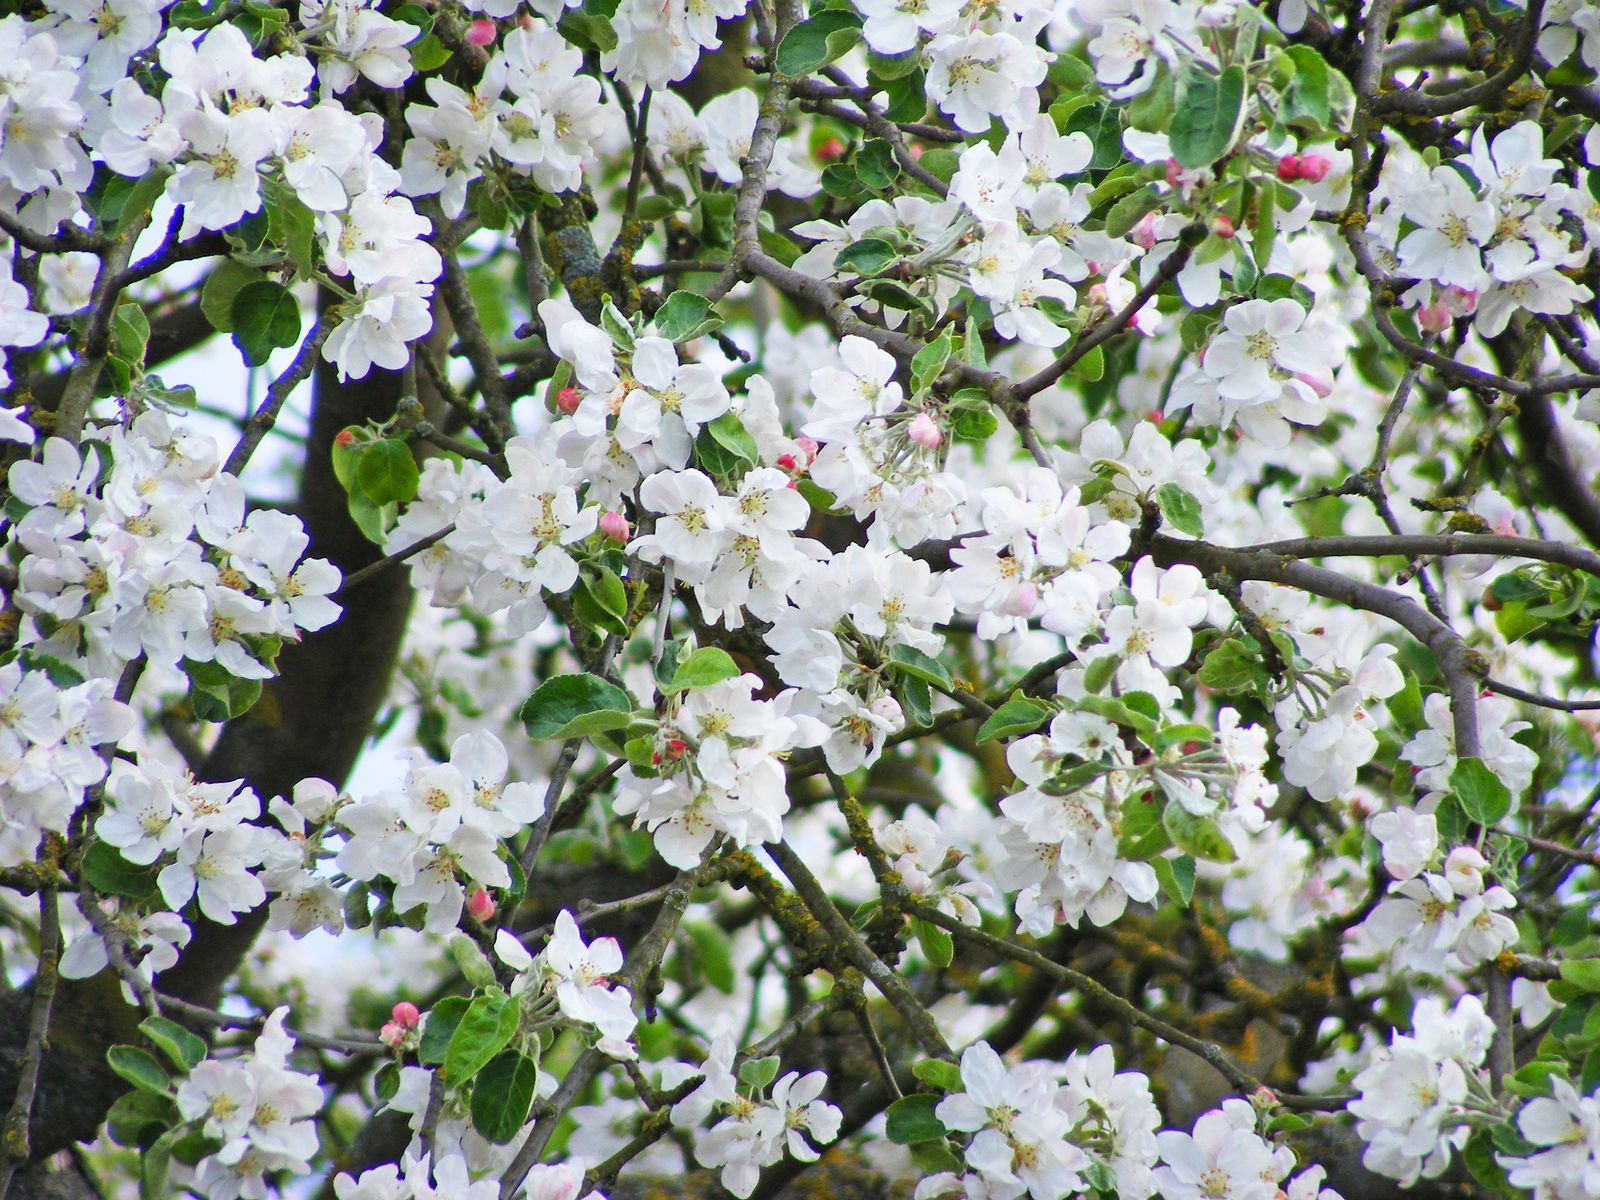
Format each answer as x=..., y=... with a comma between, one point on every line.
x=480, y=33
x=344, y=439
x=1222, y=225
x=1174, y=172
x=1462, y=302
x=1322, y=385
x=924, y=432
x=807, y=447
x=1097, y=293
x=615, y=527
x=1434, y=318
x=1144, y=233
x=1314, y=168
x=888, y=708
x=554, y=1181
x=1023, y=600
x=830, y=151
x=568, y=399
x=392, y=1035
x=405, y=1015
x=1264, y=1097
x=1289, y=168
x=481, y=905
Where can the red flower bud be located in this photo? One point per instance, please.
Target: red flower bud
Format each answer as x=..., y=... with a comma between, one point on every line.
x=1314, y=168
x=615, y=526
x=480, y=33
x=1222, y=225
x=567, y=400
x=481, y=905
x=1289, y=168
x=830, y=150
x=405, y=1015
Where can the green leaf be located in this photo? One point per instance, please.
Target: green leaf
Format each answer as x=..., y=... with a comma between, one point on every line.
x=1405, y=706
x=291, y=225
x=177, y=1043
x=758, y=1072
x=373, y=520
x=265, y=316
x=1582, y=972
x=911, y=661
x=1483, y=797
x=575, y=706
x=729, y=433
x=1306, y=102
x=155, y=1162
x=705, y=666
x=1091, y=368
x=972, y=422
x=600, y=601
x=1180, y=508
x=1199, y=836
x=686, y=315
x=1103, y=125
x=1141, y=835
x=817, y=42
x=1479, y=1159
x=869, y=256
x=1176, y=876
x=916, y=699
x=215, y=695
x=928, y=363
x=1131, y=209
x=130, y=330
x=1119, y=711
x=386, y=473
x=502, y=1095
x=588, y=31
x=936, y=944
x=910, y=1119
x=439, y=1027
x=488, y=1024
x=105, y=870
x=138, y=1118
x=1230, y=668
x=428, y=53
x=470, y=958
x=937, y=1072
x=713, y=951
x=140, y=1068
x=839, y=180
x=885, y=67
x=1017, y=715
x=1209, y=115
x=1266, y=230
x=140, y=199
x=876, y=165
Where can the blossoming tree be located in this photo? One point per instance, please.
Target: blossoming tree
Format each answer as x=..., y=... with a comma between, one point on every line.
x=956, y=599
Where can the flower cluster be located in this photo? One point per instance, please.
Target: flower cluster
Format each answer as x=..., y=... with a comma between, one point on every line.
x=755, y=1128
x=575, y=975
x=440, y=831
x=150, y=554
x=1490, y=234
x=1040, y=1136
x=1412, y=1091
x=255, y=1112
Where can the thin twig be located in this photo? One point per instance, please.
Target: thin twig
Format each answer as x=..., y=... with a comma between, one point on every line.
x=44, y=992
